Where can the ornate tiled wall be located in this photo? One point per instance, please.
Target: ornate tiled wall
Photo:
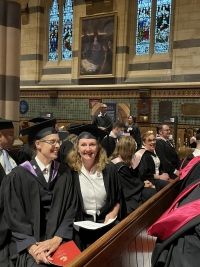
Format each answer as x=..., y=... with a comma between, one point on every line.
x=78, y=109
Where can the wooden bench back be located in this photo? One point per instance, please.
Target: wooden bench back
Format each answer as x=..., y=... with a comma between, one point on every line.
x=127, y=244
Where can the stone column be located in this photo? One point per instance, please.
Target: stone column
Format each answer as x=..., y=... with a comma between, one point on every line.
x=10, y=23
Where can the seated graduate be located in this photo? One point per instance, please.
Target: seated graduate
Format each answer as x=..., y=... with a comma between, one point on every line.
x=132, y=185
x=96, y=184
x=148, y=165
x=39, y=200
x=178, y=229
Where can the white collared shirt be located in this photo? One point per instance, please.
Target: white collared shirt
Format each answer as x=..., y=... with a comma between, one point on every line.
x=93, y=191
x=45, y=169
x=11, y=160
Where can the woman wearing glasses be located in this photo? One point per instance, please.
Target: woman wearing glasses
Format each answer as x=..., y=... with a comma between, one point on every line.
x=39, y=201
x=147, y=163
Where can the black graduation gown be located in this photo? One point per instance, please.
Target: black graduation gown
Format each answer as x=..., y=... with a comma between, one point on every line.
x=132, y=186
x=146, y=170
x=135, y=133
x=64, y=150
x=182, y=248
x=109, y=144
x=168, y=157
x=84, y=237
x=25, y=153
x=36, y=210
x=103, y=121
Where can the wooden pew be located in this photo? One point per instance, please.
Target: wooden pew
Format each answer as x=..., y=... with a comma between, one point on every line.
x=127, y=244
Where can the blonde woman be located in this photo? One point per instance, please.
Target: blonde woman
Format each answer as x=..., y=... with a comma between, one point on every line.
x=132, y=186
x=97, y=186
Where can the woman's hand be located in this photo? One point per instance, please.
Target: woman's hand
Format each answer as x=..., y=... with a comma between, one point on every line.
x=48, y=246
x=148, y=184
x=164, y=176
x=113, y=214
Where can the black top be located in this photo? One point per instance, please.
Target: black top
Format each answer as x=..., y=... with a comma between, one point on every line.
x=109, y=144
x=135, y=133
x=132, y=186
x=168, y=157
x=103, y=121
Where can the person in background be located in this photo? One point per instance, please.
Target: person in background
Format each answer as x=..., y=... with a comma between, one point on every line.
x=7, y=162
x=134, y=130
x=39, y=201
x=148, y=165
x=103, y=120
x=109, y=142
x=193, y=141
x=167, y=152
x=96, y=184
x=132, y=186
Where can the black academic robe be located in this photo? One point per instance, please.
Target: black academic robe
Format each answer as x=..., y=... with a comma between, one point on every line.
x=146, y=170
x=168, y=157
x=135, y=133
x=35, y=210
x=109, y=144
x=64, y=150
x=2, y=173
x=181, y=249
x=25, y=153
x=84, y=238
x=103, y=121
x=132, y=186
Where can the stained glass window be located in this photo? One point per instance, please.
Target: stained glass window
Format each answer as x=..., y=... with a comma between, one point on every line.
x=53, y=31
x=143, y=27
x=67, y=30
x=147, y=38
x=60, y=30
x=162, y=29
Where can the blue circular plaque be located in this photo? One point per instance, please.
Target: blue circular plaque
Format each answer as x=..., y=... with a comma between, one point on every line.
x=23, y=106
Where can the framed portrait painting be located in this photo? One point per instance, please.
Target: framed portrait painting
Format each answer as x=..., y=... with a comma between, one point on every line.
x=97, y=46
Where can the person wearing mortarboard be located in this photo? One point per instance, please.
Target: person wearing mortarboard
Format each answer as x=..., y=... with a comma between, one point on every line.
x=39, y=201
x=7, y=163
x=96, y=183
x=26, y=152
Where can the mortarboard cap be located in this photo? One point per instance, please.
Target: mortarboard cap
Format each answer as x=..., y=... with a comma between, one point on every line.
x=38, y=119
x=5, y=124
x=88, y=131
x=39, y=130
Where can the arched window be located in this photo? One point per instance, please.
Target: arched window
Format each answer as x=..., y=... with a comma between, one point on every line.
x=60, y=30
x=153, y=26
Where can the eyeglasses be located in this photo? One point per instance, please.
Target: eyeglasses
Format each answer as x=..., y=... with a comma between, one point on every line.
x=52, y=142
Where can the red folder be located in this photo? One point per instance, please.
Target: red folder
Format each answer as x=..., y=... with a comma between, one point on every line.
x=65, y=253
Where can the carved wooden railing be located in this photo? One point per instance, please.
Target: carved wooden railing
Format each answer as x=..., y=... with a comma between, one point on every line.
x=127, y=244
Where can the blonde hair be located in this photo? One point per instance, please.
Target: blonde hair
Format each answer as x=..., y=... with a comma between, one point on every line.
x=125, y=148
x=147, y=134
x=74, y=158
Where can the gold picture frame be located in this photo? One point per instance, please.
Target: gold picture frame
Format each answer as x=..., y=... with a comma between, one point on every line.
x=97, y=46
